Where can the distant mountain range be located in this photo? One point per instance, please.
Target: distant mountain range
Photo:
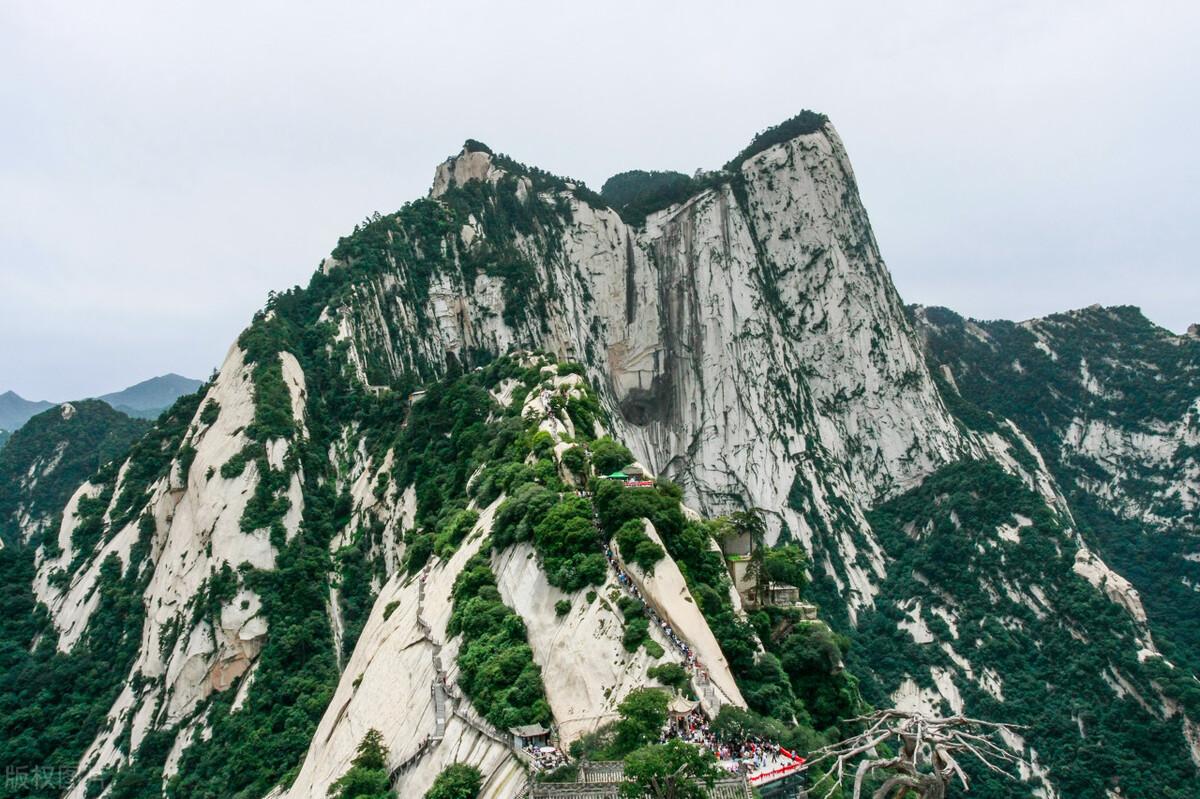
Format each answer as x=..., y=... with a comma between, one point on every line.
x=149, y=398
x=15, y=410
x=145, y=400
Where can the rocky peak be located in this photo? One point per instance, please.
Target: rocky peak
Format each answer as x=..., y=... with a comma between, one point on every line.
x=763, y=274
x=474, y=162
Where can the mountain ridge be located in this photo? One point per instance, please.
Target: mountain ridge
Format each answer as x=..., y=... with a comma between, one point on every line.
x=144, y=400
x=152, y=396
x=15, y=410
x=336, y=483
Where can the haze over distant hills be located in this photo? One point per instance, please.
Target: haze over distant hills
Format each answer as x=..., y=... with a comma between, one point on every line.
x=144, y=400
x=149, y=398
x=15, y=410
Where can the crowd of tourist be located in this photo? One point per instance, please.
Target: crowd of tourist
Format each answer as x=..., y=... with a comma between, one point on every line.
x=546, y=758
x=751, y=754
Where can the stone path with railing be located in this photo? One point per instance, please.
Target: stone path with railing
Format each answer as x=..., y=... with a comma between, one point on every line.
x=445, y=701
x=714, y=698
x=438, y=687
x=409, y=762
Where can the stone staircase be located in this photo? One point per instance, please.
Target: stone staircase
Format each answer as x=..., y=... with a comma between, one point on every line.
x=445, y=702
x=438, y=688
x=407, y=764
x=439, y=710
x=710, y=697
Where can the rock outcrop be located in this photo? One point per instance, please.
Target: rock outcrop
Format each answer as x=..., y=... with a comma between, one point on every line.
x=191, y=529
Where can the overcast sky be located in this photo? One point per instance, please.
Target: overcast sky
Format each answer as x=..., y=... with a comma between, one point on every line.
x=165, y=164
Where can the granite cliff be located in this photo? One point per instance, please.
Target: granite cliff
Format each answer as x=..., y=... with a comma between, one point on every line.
x=278, y=566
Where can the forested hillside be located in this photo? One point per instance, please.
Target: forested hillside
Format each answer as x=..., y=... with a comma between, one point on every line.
x=1112, y=402
x=46, y=460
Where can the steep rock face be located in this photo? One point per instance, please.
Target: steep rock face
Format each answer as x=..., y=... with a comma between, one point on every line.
x=196, y=639
x=388, y=685
x=748, y=343
x=1113, y=403
x=586, y=670
x=666, y=591
x=745, y=336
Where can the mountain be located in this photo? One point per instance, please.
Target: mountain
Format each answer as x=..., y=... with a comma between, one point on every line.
x=367, y=519
x=144, y=400
x=1111, y=400
x=149, y=398
x=16, y=410
x=50, y=456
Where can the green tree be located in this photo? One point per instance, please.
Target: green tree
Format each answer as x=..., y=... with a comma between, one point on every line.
x=368, y=774
x=575, y=460
x=812, y=657
x=671, y=674
x=565, y=539
x=609, y=455
x=637, y=547
x=734, y=724
x=496, y=666
x=643, y=715
x=457, y=781
x=786, y=564
x=517, y=515
x=674, y=770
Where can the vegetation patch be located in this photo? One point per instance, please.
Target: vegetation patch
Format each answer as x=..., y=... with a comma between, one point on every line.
x=608, y=456
x=636, y=194
x=561, y=531
x=637, y=547
x=368, y=774
x=637, y=626
x=456, y=781
x=211, y=412
x=496, y=666
x=671, y=674
x=52, y=704
x=802, y=124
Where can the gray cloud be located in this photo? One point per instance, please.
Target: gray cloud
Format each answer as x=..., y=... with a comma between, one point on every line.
x=165, y=166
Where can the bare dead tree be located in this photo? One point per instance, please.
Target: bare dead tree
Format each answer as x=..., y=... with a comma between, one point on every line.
x=927, y=756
